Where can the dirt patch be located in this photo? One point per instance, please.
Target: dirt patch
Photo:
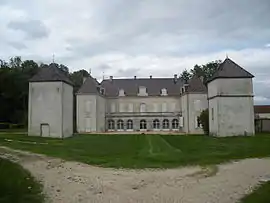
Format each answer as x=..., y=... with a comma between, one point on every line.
x=71, y=182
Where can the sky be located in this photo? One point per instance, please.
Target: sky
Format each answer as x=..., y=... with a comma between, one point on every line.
x=124, y=38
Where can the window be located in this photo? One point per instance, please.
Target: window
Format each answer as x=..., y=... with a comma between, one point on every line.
x=121, y=93
x=164, y=92
x=142, y=91
x=112, y=108
x=129, y=125
x=110, y=124
x=212, y=112
x=121, y=107
x=197, y=105
x=181, y=121
x=173, y=107
x=175, y=124
x=143, y=125
x=165, y=124
x=88, y=106
x=120, y=125
x=155, y=107
x=130, y=107
x=164, y=107
x=142, y=107
x=156, y=124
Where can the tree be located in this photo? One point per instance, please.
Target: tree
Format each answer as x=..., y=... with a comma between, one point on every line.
x=185, y=75
x=204, y=120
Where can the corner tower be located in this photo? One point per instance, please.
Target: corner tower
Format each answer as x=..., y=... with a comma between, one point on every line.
x=230, y=99
x=50, y=112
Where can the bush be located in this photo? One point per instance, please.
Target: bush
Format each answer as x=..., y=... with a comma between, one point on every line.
x=204, y=120
x=4, y=125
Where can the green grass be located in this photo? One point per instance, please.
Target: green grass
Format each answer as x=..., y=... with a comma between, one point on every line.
x=17, y=185
x=260, y=195
x=144, y=151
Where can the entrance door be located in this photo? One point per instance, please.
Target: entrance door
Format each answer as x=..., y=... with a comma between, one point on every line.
x=88, y=125
x=45, y=130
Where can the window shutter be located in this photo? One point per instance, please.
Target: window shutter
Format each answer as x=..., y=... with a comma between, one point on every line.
x=112, y=108
x=181, y=121
x=130, y=107
x=164, y=107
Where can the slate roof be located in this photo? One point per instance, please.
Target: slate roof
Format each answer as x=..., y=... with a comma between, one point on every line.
x=229, y=69
x=196, y=85
x=131, y=86
x=262, y=108
x=50, y=74
x=90, y=86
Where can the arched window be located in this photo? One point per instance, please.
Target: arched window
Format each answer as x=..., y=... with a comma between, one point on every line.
x=175, y=124
x=120, y=125
x=143, y=125
x=156, y=124
x=110, y=124
x=129, y=125
x=165, y=124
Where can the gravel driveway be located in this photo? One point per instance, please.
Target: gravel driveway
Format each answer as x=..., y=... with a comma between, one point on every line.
x=72, y=182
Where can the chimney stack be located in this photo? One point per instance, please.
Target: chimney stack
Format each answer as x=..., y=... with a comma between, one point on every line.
x=135, y=77
x=111, y=78
x=150, y=76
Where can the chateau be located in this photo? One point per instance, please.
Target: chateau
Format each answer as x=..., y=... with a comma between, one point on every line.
x=142, y=104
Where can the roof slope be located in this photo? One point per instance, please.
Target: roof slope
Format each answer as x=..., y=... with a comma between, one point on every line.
x=131, y=86
x=49, y=74
x=90, y=86
x=229, y=69
x=262, y=108
x=196, y=85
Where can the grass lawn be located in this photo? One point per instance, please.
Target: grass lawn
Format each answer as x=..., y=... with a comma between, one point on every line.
x=17, y=185
x=260, y=195
x=141, y=151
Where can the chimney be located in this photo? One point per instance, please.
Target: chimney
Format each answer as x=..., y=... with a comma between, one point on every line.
x=135, y=77
x=84, y=79
x=150, y=76
x=111, y=78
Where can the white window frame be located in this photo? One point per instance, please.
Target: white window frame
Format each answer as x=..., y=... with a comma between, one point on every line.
x=166, y=124
x=164, y=92
x=142, y=107
x=121, y=93
x=142, y=91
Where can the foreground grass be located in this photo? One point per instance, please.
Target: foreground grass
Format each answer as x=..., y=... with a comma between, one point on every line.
x=17, y=185
x=141, y=151
x=260, y=195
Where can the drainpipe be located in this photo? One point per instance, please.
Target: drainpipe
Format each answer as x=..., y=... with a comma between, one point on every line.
x=188, y=113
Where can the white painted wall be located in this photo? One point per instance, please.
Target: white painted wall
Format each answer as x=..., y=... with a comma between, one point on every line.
x=263, y=115
x=153, y=104
x=101, y=108
x=83, y=116
x=45, y=106
x=233, y=107
x=191, y=111
x=67, y=110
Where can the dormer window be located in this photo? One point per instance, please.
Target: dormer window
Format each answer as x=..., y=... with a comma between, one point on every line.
x=142, y=91
x=121, y=93
x=164, y=92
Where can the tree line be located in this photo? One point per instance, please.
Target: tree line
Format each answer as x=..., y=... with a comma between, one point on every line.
x=15, y=74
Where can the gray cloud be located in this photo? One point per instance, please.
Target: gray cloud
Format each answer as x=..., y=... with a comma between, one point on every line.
x=17, y=45
x=34, y=29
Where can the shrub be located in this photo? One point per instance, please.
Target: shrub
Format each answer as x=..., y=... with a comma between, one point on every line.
x=204, y=120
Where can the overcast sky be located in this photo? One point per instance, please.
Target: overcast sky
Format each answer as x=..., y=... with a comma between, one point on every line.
x=124, y=38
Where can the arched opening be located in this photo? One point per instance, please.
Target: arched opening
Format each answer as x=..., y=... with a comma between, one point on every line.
x=129, y=125
x=110, y=124
x=175, y=124
x=120, y=125
x=165, y=124
x=143, y=125
x=156, y=124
